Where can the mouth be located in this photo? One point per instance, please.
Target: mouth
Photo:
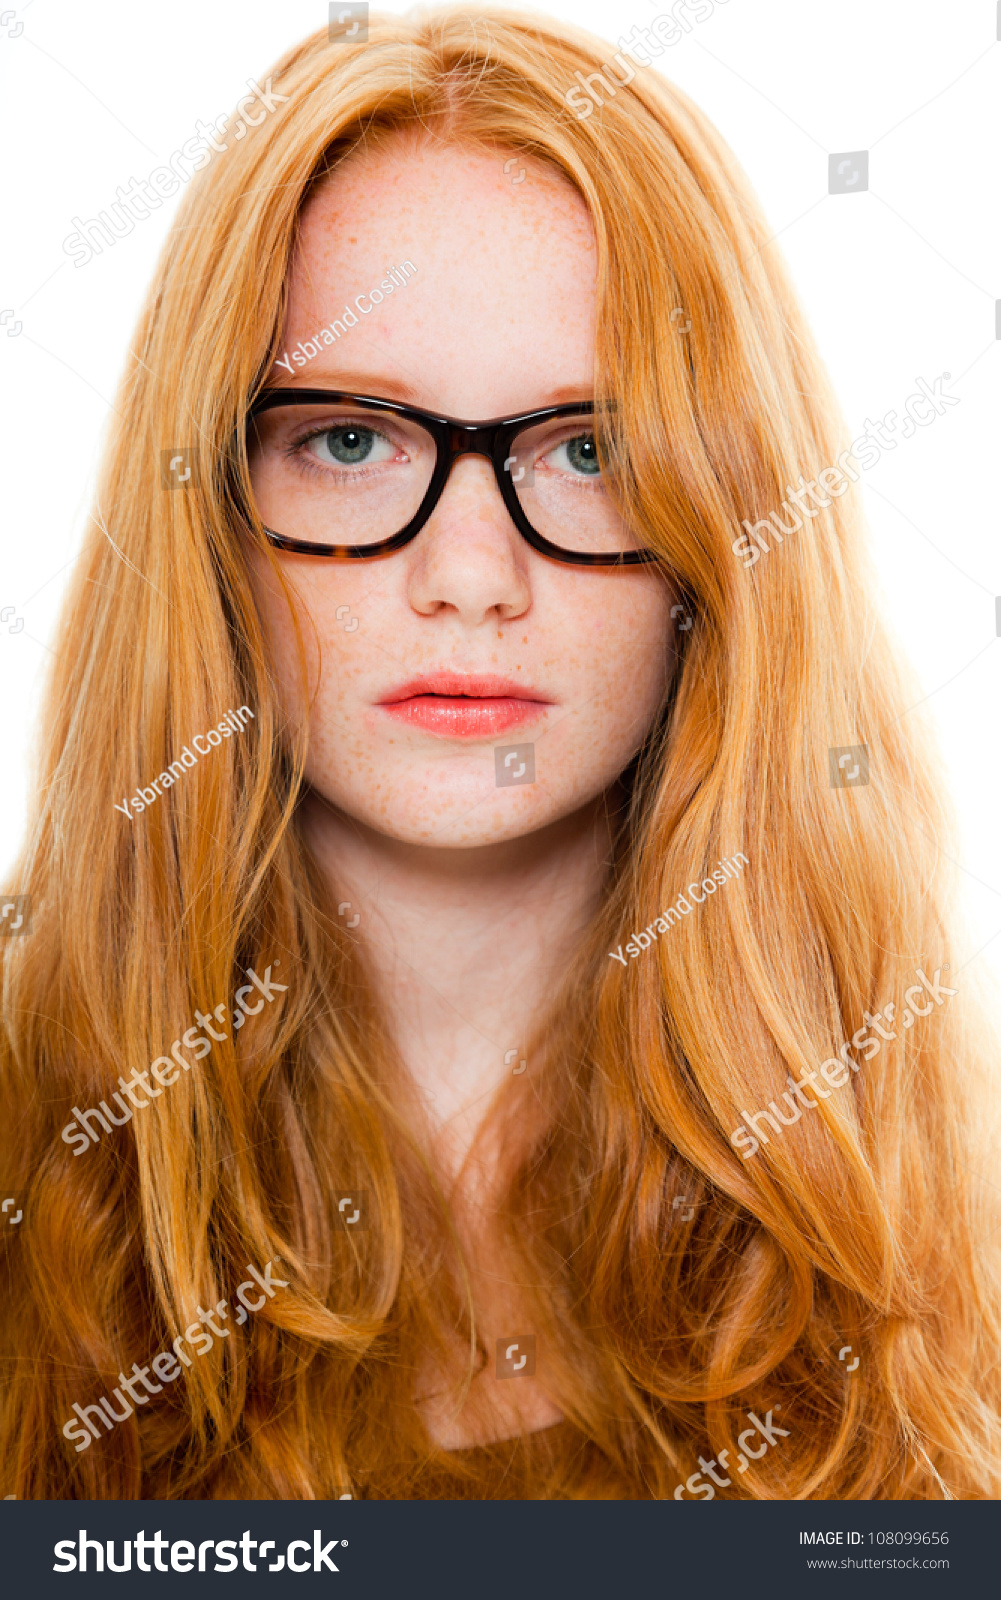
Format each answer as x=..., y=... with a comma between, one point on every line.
x=461, y=706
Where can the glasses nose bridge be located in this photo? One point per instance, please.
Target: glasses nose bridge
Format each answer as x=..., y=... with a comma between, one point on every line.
x=471, y=438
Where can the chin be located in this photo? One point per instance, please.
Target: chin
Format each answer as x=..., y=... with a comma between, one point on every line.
x=464, y=825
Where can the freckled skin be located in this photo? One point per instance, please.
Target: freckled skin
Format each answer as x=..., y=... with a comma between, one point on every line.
x=498, y=318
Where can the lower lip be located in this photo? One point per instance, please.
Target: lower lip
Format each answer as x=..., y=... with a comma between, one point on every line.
x=456, y=717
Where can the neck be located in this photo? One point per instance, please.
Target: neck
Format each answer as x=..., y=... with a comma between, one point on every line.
x=464, y=947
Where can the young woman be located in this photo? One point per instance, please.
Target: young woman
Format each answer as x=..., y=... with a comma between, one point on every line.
x=442, y=1064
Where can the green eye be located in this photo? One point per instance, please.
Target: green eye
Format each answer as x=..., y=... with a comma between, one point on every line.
x=582, y=455
x=349, y=446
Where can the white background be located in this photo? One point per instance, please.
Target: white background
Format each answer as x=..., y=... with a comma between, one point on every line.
x=898, y=283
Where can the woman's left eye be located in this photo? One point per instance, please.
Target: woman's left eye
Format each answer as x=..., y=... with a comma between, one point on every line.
x=578, y=455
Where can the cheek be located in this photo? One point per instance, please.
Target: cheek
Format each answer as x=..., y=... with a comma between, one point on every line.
x=622, y=661
x=326, y=641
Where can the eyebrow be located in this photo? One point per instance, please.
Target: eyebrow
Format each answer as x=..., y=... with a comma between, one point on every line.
x=386, y=387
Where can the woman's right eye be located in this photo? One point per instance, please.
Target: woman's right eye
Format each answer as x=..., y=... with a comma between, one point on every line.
x=349, y=445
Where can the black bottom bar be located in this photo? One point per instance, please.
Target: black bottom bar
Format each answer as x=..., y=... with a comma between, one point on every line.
x=502, y=1550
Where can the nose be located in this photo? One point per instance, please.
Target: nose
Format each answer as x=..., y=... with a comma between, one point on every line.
x=470, y=560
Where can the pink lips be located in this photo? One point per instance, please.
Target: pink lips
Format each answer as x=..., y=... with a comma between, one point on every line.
x=462, y=706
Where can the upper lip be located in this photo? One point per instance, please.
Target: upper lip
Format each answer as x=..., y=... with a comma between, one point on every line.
x=473, y=686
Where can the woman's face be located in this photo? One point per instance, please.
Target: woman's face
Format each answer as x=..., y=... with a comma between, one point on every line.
x=498, y=319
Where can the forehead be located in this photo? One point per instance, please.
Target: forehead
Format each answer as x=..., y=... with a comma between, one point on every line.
x=503, y=291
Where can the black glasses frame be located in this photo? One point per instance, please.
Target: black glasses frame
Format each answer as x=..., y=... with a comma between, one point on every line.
x=453, y=437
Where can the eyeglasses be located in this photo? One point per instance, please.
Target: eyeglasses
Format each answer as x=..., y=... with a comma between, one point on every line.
x=352, y=476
